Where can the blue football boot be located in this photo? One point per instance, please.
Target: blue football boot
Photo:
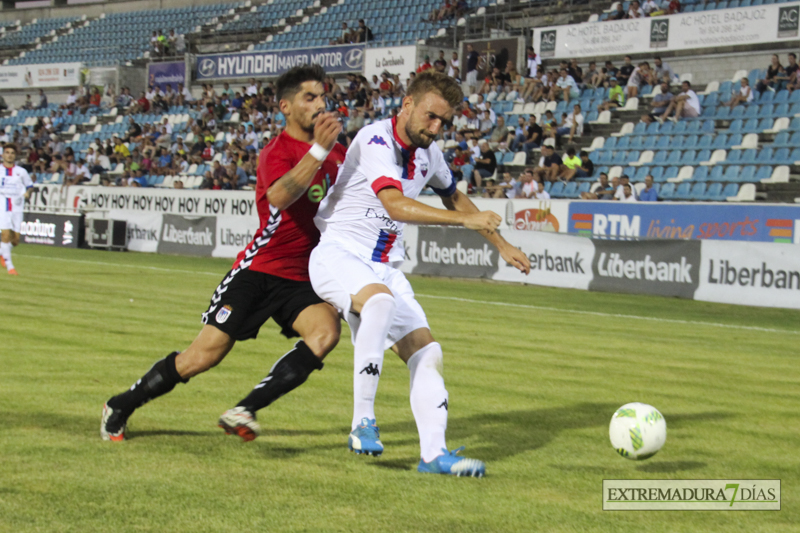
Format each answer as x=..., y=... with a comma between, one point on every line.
x=366, y=438
x=451, y=463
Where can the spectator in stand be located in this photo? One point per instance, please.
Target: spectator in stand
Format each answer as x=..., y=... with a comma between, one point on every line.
x=743, y=96
x=774, y=70
x=635, y=11
x=344, y=35
x=674, y=7
x=460, y=159
x=576, y=72
x=649, y=193
x=641, y=76
x=789, y=73
x=582, y=168
x=533, y=62
x=532, y=187
x=662, y=71
x=619, y=14
x=485, y=125
x=363, y=33
x=473, y=59
x=500, y=132
x=569, y=165
x=71, y=101
x=660, y=103
x=591, y=74
x=652, y=9
x=507, y=188
x=425, y=65
x=142, y=105
x=602, y=190
x=446, y=10
x=485, y=166
x=627, y=194
x=565, y=86
x=620, y=194
x=616, y=97
x=685, y=105
x=794, y=83
x=121, y=151
x=549, y=164
x=453, y=65
x=573, y=125
x=625, y=71
x=42, y=100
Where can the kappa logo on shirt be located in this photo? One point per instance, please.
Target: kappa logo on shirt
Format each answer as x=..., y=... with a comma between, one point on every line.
x=377, y=139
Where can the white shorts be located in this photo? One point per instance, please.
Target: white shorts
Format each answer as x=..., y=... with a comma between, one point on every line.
x=472, y=78
x=11, y=220
x=337, y=274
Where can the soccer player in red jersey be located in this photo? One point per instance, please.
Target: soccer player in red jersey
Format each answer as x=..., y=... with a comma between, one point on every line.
x=270, y=277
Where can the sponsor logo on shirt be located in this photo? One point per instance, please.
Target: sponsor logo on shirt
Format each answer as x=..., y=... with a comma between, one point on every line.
x=377, y=139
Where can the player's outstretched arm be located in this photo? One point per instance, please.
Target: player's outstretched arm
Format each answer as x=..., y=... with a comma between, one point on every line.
x=402, y=209
x=460, y=203
x=292, y=185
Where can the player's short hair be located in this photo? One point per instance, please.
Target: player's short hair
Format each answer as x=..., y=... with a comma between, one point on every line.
x=12, y=146
x=440, y=83
x=288, y=85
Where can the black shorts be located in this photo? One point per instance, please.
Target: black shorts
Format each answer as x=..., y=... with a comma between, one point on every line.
x=245, y=299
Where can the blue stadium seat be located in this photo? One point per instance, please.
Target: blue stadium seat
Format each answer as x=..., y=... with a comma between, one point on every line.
x=667, y=191
x=763, y=173
x=731, y=173
x=669, y=172
x=748, y=174
x=700, y=174
x=697, y=191
x=713, y=194
x=682, y=192
x=557, y=190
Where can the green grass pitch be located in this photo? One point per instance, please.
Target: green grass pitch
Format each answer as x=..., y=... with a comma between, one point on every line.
x=534, y=377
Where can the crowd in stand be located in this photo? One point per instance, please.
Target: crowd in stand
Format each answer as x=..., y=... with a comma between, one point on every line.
x=360, y=34
x=230, y=147
x=167, y=45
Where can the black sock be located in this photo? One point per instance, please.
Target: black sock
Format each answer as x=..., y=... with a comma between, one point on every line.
x=287, y=374
x=159, y=380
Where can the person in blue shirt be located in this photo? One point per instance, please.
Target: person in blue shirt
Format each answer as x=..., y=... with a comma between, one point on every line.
x=237, y=101
x=649, y=193
x=278, y=119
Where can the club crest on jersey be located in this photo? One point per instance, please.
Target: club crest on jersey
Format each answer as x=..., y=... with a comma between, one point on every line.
x=377, y=139
x=423, y=168
x=224, y=313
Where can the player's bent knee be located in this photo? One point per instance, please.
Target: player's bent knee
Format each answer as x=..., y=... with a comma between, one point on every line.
x=364, y=295
x=323, y=341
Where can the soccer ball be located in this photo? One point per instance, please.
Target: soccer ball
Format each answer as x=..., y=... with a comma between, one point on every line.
x=637, y=431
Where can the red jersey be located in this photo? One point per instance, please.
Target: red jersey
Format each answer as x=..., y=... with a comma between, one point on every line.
x=283, y=243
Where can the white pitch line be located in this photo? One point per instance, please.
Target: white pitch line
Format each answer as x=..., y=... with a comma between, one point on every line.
x=611, y=315
x=456, y=299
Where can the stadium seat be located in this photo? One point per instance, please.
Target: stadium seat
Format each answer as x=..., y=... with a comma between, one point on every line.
x=667, y=191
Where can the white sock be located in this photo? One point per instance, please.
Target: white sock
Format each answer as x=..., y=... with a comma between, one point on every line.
x=5, y=251
x=376, y=319
x=429, y=400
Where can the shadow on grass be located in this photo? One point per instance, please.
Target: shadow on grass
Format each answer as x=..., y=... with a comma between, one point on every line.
x=167, y=432
x=669, y=467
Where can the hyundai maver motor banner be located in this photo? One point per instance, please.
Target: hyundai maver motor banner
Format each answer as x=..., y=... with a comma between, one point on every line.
x=272, y=63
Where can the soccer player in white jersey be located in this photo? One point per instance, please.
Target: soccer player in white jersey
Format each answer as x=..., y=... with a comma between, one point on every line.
x=15, y=188
x=354, y=267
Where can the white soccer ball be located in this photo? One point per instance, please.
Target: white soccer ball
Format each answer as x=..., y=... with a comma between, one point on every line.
x=637, y=431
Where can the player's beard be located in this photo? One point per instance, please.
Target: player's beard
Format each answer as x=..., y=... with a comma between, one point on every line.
x=313, y=122
x=418, y=138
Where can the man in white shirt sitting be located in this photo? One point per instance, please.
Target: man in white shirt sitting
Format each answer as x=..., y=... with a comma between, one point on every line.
x=573, y=125
x=686, y=104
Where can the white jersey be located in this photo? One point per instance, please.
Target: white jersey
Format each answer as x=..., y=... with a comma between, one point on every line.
x=14, y=182
x=352, y=215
